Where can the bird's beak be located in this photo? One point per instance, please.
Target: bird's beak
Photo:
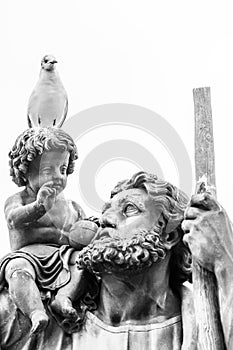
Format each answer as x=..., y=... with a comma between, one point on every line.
x=53, y=62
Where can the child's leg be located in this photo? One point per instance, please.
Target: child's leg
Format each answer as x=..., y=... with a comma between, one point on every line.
x=63, y=301
x=20, y=276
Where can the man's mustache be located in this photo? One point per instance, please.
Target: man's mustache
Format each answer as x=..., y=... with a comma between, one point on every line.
x=107, y=254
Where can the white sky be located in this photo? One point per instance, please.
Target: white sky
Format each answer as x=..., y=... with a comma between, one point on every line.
x=147, y=53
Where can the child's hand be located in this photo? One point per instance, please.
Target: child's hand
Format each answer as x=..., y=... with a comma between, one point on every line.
x=47, y=195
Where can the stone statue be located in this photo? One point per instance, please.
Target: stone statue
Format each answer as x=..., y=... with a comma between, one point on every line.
x=39, y=218
x=141, y=257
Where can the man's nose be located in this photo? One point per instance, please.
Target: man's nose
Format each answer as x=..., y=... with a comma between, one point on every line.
x=109, y=220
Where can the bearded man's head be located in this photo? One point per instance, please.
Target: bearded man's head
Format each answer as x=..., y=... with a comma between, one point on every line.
x=115, y=252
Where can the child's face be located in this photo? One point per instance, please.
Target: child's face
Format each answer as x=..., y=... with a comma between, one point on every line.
x=50, y=166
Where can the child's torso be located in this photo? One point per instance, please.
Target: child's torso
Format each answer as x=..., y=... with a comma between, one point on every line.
x=49, y=228
x=62, y=215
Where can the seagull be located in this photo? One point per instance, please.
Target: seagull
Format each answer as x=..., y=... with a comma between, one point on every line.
x=48, y=103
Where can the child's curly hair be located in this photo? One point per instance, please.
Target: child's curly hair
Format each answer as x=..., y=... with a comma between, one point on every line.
x=33, y=142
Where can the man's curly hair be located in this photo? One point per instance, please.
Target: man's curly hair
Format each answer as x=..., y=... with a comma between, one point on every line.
x=173, y=203
x=32, y=143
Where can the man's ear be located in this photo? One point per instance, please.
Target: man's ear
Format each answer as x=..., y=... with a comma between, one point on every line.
x=170, y=239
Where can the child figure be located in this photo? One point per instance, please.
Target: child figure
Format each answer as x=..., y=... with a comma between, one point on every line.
x=39, y=219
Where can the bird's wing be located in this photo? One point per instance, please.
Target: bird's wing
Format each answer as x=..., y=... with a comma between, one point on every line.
x=64, y=113
x=32, y=115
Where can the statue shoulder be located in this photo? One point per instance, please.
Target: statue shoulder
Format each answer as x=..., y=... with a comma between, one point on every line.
x=15, y=200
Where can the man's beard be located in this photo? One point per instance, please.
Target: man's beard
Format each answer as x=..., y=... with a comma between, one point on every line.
x=109, y=255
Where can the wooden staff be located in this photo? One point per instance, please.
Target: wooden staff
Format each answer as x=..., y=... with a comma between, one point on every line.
x=209, y=327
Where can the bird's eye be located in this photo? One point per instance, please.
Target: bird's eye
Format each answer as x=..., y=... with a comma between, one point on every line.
x=130, y=210
x=46, y=60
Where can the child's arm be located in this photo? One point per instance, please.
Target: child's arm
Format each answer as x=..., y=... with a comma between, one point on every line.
x=18, y=214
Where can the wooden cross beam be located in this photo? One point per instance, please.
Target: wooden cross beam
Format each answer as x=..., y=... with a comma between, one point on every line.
x=206, y=304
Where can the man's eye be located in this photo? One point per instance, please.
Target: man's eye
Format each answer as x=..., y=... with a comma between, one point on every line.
x=130, y=209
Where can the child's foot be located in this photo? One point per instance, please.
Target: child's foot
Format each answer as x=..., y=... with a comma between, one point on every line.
x=39, y=320
x=63, y=306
